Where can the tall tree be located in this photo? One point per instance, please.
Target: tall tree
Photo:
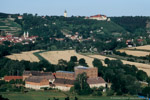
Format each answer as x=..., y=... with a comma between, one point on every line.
x=97, y=63
x=81, y=85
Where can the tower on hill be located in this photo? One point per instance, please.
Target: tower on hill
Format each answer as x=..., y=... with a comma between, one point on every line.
x=65, y=13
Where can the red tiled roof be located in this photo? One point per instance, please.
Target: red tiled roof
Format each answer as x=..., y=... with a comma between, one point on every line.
x=19, y=16
x=139, y=40
x=8, y=78
x=98, y=16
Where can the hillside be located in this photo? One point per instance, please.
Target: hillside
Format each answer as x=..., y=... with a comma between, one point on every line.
x=57, y=26
x=8, y=25
x=132, y=24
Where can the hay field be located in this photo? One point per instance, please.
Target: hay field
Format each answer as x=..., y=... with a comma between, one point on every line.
x=145, y=47
x=144, y=67
x=135, y=53
x=54, y=56
x=28, y=56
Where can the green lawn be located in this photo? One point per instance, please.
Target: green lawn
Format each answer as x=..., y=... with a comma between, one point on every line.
x=45, y=95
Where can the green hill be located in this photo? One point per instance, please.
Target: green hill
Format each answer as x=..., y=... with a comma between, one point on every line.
x=59, y=25
x=8, y=25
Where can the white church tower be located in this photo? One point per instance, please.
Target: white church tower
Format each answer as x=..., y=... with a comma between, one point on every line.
x=65, y=13
x=27, y=35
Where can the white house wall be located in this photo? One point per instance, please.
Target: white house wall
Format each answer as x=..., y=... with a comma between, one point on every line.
x=97, y=85
x=37, y=87
x=63, y=88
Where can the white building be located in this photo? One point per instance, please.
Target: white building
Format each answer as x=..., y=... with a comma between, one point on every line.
x=65, y=13
x=98, y=17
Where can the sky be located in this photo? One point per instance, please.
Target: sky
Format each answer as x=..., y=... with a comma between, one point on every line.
x=77, y=7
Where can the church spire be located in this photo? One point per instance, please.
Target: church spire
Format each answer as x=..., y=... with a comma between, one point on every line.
x=65, y=13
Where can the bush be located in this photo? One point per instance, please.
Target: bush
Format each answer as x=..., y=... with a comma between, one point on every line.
x=99, y=93
x=109, y=92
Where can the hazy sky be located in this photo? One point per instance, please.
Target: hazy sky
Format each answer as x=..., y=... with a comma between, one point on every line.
x=77, y=7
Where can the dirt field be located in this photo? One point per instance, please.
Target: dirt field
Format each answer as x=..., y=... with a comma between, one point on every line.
x=146, y=47
x=28, y=56
x=144, y=67
x=135, y=53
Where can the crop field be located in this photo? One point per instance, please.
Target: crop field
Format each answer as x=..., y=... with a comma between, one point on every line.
x=135, y=53
x=54, y=56
x=145, y=47
x=28, y=56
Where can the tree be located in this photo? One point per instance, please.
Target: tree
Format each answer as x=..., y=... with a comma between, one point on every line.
x=97, y=63
x=70, y=66
x=1, y=98
x=106, y=61
x=146, y=91
x=73, y=59
x=141, y=75
x=148, y=57
x=148, y=81
x=83, y=62
x=81, y=86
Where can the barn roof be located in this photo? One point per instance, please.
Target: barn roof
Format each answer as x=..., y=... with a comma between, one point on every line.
x=97, y=80
x=64, y=81
x=8, y=78
x=37, y=73
x=38, y=79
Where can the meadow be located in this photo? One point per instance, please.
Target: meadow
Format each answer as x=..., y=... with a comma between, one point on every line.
x=45, y=95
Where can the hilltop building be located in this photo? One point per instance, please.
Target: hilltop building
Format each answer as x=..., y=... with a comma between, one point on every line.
x=65, y=13
x=98, y=17
x=20, y=17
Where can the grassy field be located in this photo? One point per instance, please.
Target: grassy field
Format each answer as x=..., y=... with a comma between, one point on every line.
x=28, y=56
x=45, y=95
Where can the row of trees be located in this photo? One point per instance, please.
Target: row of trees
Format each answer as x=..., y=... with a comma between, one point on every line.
x=124, y=78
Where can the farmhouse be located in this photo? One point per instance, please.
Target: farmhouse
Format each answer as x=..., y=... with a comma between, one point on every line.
x=38, y=82
x=96, y=82
x=27, y=74
x=65, y=79
x=63, y=84
x=62, y=80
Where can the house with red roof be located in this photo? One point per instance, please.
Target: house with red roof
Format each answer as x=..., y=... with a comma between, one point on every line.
x=20, y=17
x=98, y=17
